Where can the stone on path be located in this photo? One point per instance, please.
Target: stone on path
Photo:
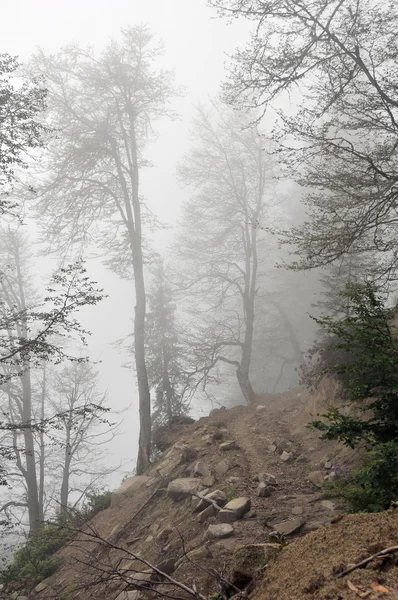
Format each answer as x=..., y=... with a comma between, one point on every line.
x=287, y=456
x=183, y=487
x=289, y=527
x=222, y=530
x=208, y=481
x=317, y=478
x=201, y=470
x=328, y=505
x=230, y=445
x=297, y=510
x=128, y=488
x=261, y=409
x=40, y=587
x=223, y=467
x=264, y=490
x=234, y=510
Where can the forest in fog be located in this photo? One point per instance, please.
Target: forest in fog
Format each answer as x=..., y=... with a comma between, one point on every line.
x=288, y=185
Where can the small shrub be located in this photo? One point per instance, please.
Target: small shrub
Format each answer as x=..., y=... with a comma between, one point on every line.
x=365, y=359
x=95, y=503
x=35, y=561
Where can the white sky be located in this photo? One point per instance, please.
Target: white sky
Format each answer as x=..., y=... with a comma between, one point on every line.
x=195, y=46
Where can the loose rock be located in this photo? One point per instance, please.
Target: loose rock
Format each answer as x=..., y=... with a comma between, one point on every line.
x=287, y=456
x=40, y=587
x=289, y=527
x=128, y=488
x=268, y=478
x=182, y=488
x=234, y=510
x=264, y=490
x=222, y=467
x=261, y=409
x=208, y=481
x=201, y=470
x=316, y=477
x=297, y=510
x=222, y=530
x=226, y=446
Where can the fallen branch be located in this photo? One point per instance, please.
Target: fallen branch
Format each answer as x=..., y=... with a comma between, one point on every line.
x=363, y=563
x=201, y=497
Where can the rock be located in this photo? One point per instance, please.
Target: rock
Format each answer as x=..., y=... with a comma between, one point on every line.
x=149, y=539
x=230, y=445
x=223, y=467
x=251, y=514
x=128, y=489
x=261, y=409
x=328, y=464
x=268, y=478
x=328, y=505
x=167, y=566
x=331, y=476
x=264, y=490
x=287, y=456
x=141, y=578
x=188, y=454
x=39, y=588
x=14, y=595
x=216, y=532
x=272, y=448
x=219, y=496
x=302, y=459
x=289, y=527
x=208, y=481
x=22, y=598
x=182, y=488
x=163, y=535
x=234, y=510
x=208, y=512
x=297, y=510
x=233, y=479
x=248, y=560
x=316, y=477
x=201, y=470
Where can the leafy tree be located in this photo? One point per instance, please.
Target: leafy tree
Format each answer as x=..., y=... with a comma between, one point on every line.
x=338, y=138
x=366, y=361
x=104, y=107
x=231, y=175
x=166, y=373
x=21, y=129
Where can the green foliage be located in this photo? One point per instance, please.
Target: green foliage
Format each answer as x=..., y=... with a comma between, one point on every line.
x=371, y=374
x=95, y=503
x=68, y=592
x=35, y=561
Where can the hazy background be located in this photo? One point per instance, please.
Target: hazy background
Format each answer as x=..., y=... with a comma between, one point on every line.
x=196, y=47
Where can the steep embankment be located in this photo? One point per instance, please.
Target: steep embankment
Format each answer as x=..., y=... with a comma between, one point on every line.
x=264, y=454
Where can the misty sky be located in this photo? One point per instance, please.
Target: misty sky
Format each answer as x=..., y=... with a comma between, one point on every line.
x=196, y=44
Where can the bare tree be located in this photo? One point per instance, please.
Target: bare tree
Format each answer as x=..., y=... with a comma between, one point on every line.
x=104, y=107
x=82, y=430
x=338, y=59
x=32, y=331
x=232, y=179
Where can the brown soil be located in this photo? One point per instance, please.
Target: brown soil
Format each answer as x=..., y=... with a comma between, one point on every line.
x=304, y=568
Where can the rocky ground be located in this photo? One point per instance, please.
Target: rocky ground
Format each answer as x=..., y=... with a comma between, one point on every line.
x=264, y=472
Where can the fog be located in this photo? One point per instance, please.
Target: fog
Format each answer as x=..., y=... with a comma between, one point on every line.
x=196, y=46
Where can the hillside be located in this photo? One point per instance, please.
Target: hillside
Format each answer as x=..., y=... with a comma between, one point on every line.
x=265, y=454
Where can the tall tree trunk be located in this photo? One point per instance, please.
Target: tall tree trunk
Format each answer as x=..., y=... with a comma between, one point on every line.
x=42, y=448
x=144, y=443
x=132, y=217
x=31, y=477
